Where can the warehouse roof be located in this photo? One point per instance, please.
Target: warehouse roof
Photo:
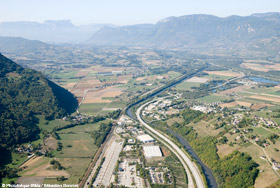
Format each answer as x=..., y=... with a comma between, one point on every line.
x=152, y=151
x=145, y=138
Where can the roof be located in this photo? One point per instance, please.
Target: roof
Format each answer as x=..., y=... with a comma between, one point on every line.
x=145, y=138
x=152, y=151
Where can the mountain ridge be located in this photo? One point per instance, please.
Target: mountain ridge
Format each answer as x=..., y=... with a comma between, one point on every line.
x=192, y=30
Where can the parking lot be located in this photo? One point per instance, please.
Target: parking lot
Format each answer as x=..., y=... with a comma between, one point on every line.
x=127, y=175
x=157, y=175
x=105, y=174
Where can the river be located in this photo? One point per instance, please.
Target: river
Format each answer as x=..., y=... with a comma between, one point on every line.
x=263, y=80
x=211, y=181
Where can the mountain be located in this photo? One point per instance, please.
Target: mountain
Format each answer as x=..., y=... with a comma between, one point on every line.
x=53, y=31
x=24, y=94
x=21, y=45
x=193, y=31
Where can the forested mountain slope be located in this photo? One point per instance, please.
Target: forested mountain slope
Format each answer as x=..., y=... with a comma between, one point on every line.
x=25, y=93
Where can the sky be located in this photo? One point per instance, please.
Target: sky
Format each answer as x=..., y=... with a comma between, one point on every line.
x=126, y=12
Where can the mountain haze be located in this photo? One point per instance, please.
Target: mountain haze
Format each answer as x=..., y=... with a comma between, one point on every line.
x=193, y=31
x=53, y=31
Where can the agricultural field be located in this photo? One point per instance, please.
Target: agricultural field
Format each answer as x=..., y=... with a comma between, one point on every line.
x=186, y=85
x=213, y=98
x=105, y=95
x=222, y=74
x=49, y=125
x=91, y=108
x=77, y=150
x=261, y=66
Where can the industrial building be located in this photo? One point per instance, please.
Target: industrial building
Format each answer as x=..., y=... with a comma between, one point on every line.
x=145, y=138
x=152, y=151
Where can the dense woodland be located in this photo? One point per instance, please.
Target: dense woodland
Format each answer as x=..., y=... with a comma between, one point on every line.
x=100, y=135
x=24, y=94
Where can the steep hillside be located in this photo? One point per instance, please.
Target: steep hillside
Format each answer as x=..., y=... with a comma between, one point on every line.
x=24, y=94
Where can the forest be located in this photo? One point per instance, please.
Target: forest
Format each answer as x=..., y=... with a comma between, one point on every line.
x=24, y=94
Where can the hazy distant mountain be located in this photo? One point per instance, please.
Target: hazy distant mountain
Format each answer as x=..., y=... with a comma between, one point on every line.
x=18, y=44
x=54, y=31
x=193, y=30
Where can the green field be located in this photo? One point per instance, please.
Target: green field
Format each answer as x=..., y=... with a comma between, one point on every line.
x=186, y=85
x=91, y=108
x=217, y=77
x=104, y=78
x=261, y=131
x=17, y=159
x=259, y=100
x=212, y=98
x=76, y=167
x=49, y=125
x=261, y=90
x=92, y=74
x=108, y=98
x=104, y=112
x=65, y=75
x=173, y=74
x=275, y=93
x=77, y=152
x=116, y=104
x=76, y=144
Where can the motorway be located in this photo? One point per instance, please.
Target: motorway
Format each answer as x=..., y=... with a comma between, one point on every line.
x=191, y=168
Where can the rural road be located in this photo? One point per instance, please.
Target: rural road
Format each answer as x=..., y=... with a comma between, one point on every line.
x=178, y=152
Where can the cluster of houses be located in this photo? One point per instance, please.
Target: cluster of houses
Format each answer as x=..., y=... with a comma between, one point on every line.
x=266, y=122
x=159, y=110
x=275, y=165
x=23, y=149
x=76, y=118
x=204, y=108
x=247, y=82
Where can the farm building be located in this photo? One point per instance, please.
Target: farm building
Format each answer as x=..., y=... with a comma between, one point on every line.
x=152, y=151
x=145, y=138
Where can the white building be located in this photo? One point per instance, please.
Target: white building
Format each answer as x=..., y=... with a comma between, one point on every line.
x=145, y=138
x=152, y=151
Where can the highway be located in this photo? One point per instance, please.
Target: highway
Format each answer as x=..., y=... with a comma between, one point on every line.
x=191, y=168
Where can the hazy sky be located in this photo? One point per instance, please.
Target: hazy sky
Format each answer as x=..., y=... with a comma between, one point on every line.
x=124, y=12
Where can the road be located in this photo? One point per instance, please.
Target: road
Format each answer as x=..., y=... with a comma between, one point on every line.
x=191, y=167
x=230, y=80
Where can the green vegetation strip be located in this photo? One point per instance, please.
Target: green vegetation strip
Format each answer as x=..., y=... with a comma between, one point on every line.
x=234, y=170
x=96, y=172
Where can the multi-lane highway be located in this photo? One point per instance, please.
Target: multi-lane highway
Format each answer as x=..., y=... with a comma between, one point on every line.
x=190, y=167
